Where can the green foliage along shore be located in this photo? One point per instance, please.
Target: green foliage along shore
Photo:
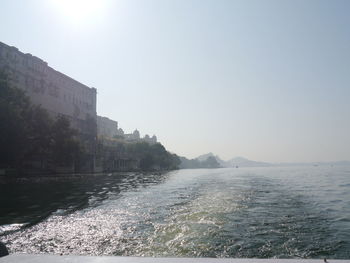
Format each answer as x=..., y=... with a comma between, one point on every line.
x=153, y=156
x=118, y=154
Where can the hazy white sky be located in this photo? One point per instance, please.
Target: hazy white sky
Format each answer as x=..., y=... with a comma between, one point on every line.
x=268, y=80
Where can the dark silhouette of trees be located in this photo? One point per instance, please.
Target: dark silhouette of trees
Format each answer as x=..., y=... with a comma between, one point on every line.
x=147, y=162
x=153, y=156
x=66, y=149
x=210, y=162
x=14, y=107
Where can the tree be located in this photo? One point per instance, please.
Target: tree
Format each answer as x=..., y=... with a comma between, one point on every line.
x=38, y=134
x=175, y=164
x=210, y=162
x=14, y=107
x=152, y=156
x=66, y=149
x=147, y=162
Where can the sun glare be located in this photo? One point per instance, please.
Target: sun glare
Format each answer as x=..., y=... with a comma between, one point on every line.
x=80, y=11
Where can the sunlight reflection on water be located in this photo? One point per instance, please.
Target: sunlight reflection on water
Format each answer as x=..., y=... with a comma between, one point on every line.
x=266, y=212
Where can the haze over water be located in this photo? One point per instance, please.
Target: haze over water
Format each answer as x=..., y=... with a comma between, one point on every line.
x=247, y=212
x=268, y=80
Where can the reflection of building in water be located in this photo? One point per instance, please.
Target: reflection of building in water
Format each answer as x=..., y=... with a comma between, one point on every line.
x=54, y=91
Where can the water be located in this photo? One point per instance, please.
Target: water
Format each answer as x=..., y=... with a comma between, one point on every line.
x=247, y=212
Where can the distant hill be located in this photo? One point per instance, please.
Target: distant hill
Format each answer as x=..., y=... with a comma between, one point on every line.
x=204, y=157
x=210, y=160
x=237, y=161
x=204, y=161
x=335, y=163
x=243, y=162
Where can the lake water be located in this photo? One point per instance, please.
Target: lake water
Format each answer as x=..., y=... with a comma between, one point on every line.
x=283, y=212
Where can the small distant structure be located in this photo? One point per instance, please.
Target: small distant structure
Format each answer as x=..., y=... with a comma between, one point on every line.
x=150, y=140
x=120, y=132
x=108, y=129
x=135, y=136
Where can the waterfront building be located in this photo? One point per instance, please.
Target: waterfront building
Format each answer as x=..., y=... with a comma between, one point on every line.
x=120, y=132
x=106, y=127
x=135, y=136
x=154, y=139
x=150, y=140
x=54, y=91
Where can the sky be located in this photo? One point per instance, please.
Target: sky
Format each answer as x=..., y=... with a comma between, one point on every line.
x=268, y=80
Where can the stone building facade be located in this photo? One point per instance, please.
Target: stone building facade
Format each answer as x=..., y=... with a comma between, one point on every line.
x=135, y=137
x=150, y=140
x=54, y=91
x=106, y=127
x=132, y=137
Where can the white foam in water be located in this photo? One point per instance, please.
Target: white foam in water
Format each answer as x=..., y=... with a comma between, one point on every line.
x=10, y=227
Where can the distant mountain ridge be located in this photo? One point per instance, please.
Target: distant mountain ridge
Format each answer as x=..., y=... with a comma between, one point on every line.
x=203, y=157
x=234, y=162
x=202, y=162
x=335, y=163
x=243, y=162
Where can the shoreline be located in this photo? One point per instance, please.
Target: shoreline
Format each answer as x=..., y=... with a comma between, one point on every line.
x=42, y=178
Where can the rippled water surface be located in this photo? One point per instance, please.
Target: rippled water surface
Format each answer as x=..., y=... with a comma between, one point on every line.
x=247, y=212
